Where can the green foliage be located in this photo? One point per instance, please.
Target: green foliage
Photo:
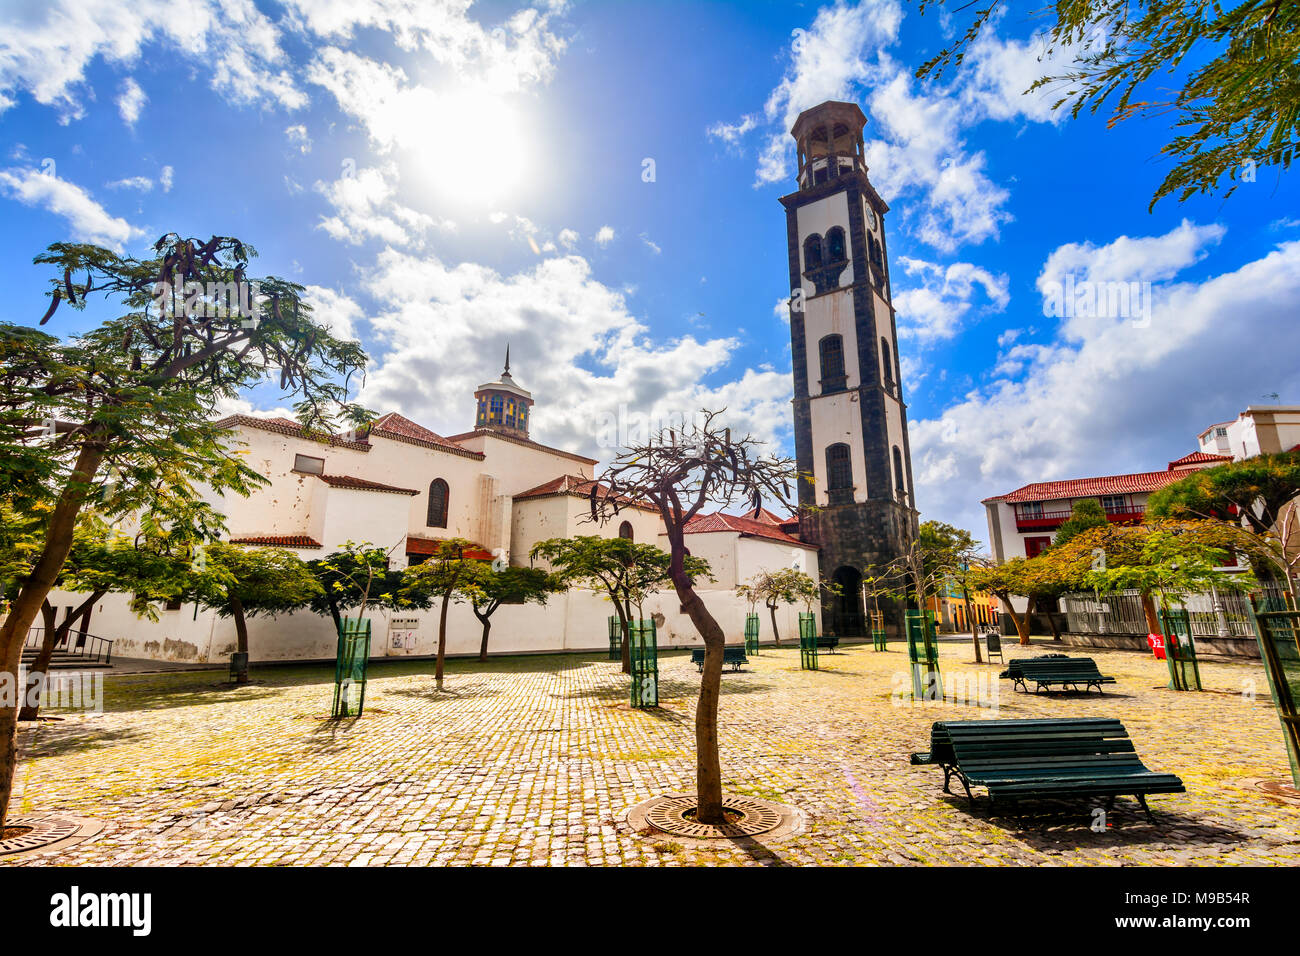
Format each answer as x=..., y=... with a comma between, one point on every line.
x=486, y=588
x=1172, y=565
x=626, y=571
x=1084, y=514
x=237, y=581
x=1237, y=108
x=440, y=575
x=782, y=586
x=359, y=577
x=1256, y=489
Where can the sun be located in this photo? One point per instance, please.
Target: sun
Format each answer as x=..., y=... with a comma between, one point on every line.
x=469, y=147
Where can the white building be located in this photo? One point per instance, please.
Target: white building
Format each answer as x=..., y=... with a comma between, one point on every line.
x=402, y=487
x=1259, y=430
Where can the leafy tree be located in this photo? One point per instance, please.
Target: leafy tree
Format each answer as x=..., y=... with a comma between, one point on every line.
x=1034, y=579
x=442, y=575
x=1084, y=514
x=679, y=473
x=780, y=587
x=240, y=583
x=122, y=416
x=359, y=577
x=1237, y=108
x=1254, y=502
x=626, y=571
x=486, y=589
x=951, y=552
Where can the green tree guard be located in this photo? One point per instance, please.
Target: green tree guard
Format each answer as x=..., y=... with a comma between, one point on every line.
x=615, y=639
x=807, y=641
x=1180, y=650
x=923, y=653
x=350, y=669
x=878, y=639
x=645, y=663
x=751, y=634
x=1277, y=627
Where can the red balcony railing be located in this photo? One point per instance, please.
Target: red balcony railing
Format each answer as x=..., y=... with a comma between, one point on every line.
x=1051, y=520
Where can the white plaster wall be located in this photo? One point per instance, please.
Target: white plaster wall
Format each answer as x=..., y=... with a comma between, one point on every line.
x=818, y=217
x=837, y=418
x=379, y=518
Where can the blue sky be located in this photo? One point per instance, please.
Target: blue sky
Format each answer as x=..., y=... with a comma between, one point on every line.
x=447, y=178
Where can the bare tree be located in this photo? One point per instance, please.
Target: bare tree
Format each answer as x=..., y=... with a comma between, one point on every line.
x=680, y=472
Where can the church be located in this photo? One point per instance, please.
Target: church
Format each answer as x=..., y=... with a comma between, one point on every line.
x=401, y=487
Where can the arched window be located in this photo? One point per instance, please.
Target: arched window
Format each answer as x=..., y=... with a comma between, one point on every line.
x=835, y=245
x=831, y=349
x=438, y=493
x=812, y=253
x=887, y=362
x=625, y=531
x=839, y=468
x=900, y=485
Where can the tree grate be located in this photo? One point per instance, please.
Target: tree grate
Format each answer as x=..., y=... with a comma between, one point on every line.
x=40, y=833
x=674, y=815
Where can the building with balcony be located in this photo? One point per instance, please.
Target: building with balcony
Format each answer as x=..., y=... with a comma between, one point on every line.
x=1259, y=430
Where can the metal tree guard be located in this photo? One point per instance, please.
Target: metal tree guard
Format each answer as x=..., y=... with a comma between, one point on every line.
x=350, y=669
x=878, y=639
x=645, y=663
x=807, y=641
x=923, y=653
x=615, y=639
x=1277, y=627
x=1180, y=650
x=751, y=634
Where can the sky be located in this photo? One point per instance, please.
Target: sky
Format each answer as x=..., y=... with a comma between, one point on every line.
x=596, y=185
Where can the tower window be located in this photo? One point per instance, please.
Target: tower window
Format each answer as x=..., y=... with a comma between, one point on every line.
x=832, y=358
x=839, y=468
x=438, y=494
x=497, y=407
x=900, y=484
x=835, y=245
x=887, y=362
x=812, y=253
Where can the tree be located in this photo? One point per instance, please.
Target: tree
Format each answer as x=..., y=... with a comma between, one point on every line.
x=1255, y=503
x=1031, y=578
x=679, y=472
x=775, y=588
x=240, y=583
x=1238, y=108
x=1084, y=514
x=442, y=575
x=359, y=577
x=486, y=589
x=627, y=572
x=951, y=552
x=123, y=415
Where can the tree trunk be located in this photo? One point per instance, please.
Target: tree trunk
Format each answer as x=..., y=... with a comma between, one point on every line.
x=626, y=627
x=486, y=620
x=708, y=768
x=776, y=635
x=33, y=593
x=36, y=676
x=1020, y=621
x=970, y=619
x=442, y=638
x=241, y=639
x=338, y=618
x=1149, y=611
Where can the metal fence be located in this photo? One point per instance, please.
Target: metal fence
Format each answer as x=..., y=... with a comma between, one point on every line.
x=1121, y=613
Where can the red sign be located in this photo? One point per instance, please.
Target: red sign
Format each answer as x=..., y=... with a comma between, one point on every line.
x=1157, y=644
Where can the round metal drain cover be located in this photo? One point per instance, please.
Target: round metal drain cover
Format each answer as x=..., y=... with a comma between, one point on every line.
x=1282, y=791
x=40, y=832
x=748, y=817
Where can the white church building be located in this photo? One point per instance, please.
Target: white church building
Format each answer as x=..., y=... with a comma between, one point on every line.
x=401, y=487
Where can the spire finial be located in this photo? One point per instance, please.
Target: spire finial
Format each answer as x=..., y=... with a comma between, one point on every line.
x=507, y=358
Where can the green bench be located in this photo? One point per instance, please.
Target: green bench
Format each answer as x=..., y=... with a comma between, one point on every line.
x=735, y=656
x=830, y=643
x=1044, y=759
x=1056, y=670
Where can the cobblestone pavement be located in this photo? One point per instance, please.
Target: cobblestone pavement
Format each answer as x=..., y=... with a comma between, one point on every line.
x=533, y=760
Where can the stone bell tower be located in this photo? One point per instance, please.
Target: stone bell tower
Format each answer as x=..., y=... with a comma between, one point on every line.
x=850, y=422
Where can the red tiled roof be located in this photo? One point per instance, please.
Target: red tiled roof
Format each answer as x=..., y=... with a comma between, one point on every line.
x=418, y=545
x=577, y=487
x=361, y=484
x=528, y=442
x=746, y=527
x=1141, y=482
x=402, y=428
x=766, y=516
x=282, y=426
x=278, y=541
x=1198, y=458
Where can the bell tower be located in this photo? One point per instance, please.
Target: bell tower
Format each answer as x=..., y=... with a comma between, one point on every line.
x=850, y=421
x=503, y=406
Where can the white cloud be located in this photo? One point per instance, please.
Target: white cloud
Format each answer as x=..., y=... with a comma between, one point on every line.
x=297, y=136
x=366, y=208
x=165, y=178
x=650, y=244
x=1123, y=398
x=936, y=308
x=131, y=100
x=568, y=238
x=604, y=235
x=89, y=221
x=143, y=183
x=334, y=310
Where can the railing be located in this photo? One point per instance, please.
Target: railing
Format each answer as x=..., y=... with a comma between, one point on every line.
x=1046, y=520
x=76, y=645
x=1121, y=613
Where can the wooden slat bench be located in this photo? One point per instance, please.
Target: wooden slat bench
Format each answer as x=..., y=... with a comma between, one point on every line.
x=829, y=643
x=735, y=656
x=1056, y=671
x=1035, y=759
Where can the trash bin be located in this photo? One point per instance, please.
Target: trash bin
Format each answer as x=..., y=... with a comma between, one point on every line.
x=1157, y=644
